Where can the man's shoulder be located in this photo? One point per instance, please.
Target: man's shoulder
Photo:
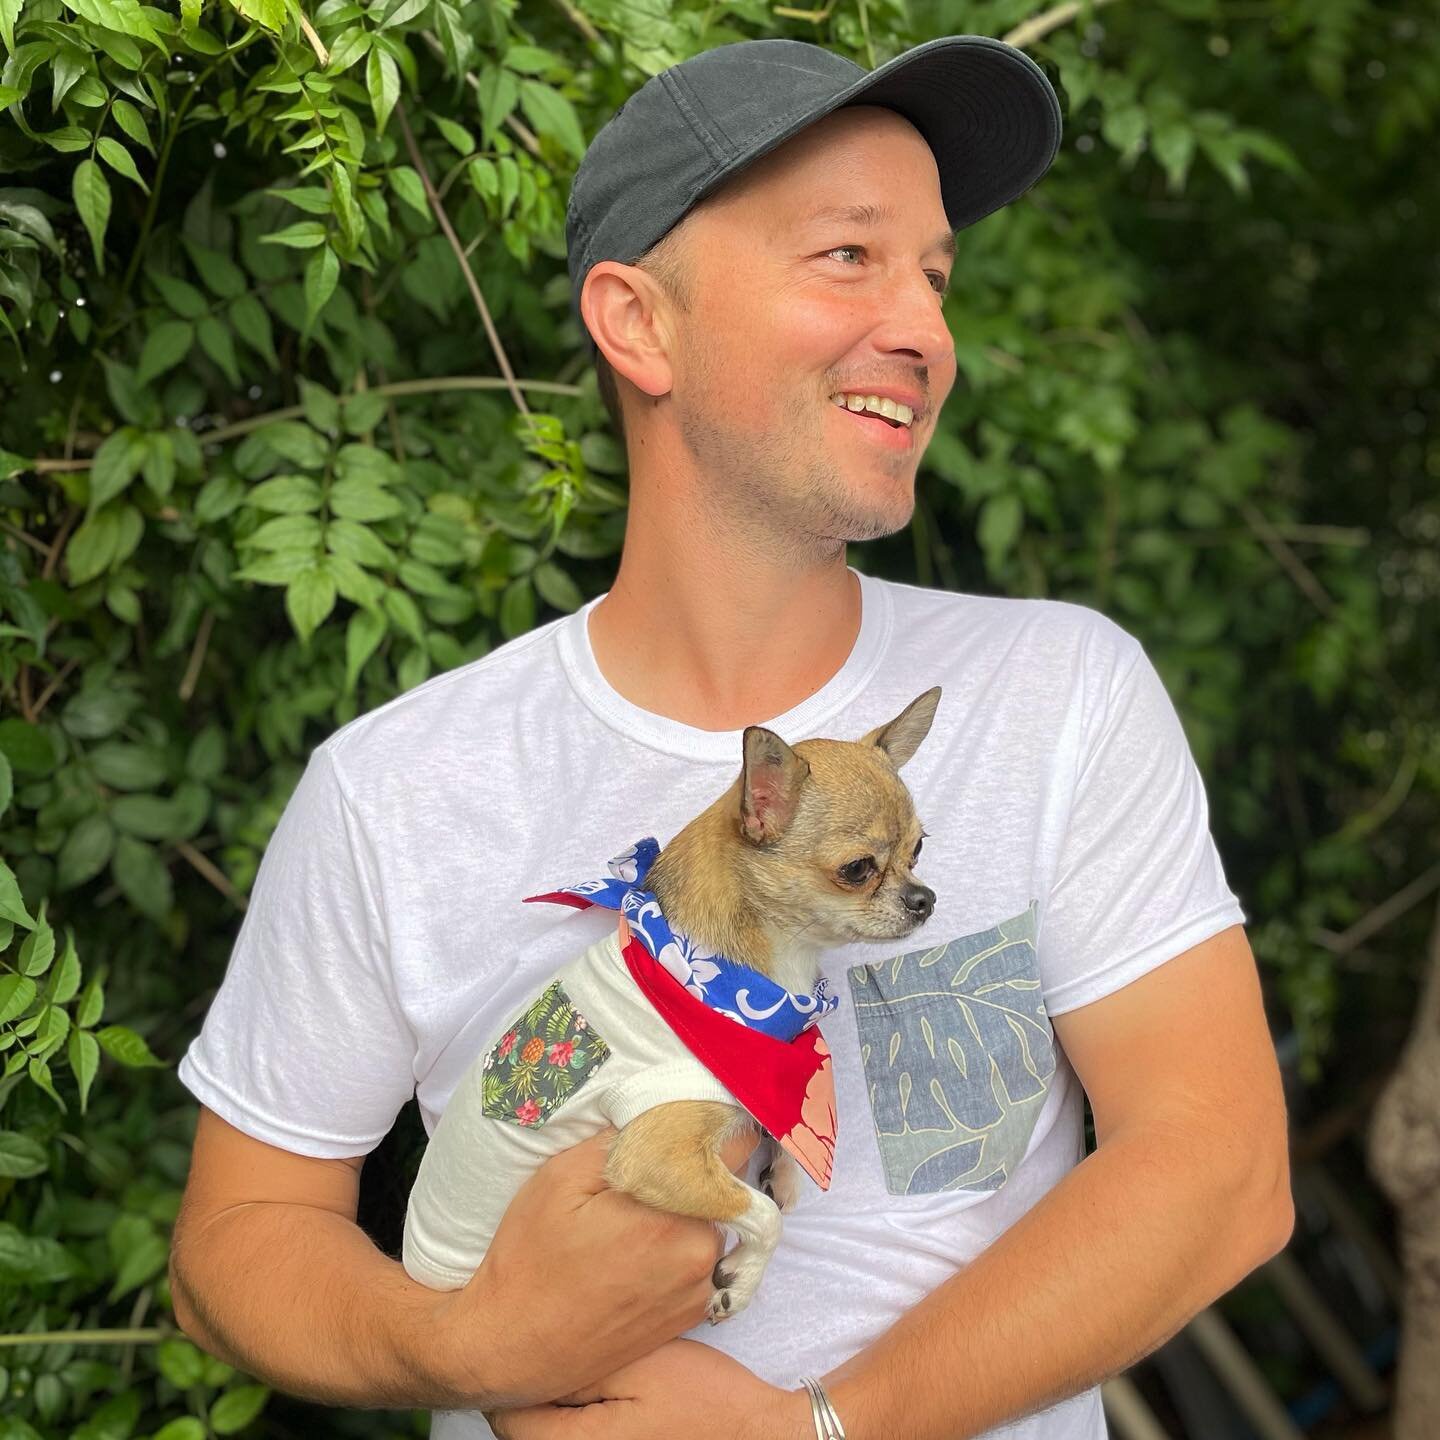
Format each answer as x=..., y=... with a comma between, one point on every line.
x=473, y=700
x=1039, y=625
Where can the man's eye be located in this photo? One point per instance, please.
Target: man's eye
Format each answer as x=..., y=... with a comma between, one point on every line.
x=942, y=289
x=857, y=870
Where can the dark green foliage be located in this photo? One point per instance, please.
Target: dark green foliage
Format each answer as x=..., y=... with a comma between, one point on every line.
x=261, y=470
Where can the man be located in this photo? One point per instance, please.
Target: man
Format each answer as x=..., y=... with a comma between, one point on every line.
x=967, y=1265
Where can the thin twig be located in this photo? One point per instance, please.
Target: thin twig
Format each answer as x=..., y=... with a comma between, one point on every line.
x=433, y=386
x=197, y=654
x=437, y=205
x=316, y=43
x=216, y=877
x=1378, y=918
x=1041, y=25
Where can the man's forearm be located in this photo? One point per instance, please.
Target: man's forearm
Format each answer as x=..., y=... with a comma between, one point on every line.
x=1112, y=1262
x=302, y=1299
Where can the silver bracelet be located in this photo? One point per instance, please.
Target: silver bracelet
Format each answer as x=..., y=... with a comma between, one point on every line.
x=822, y=1412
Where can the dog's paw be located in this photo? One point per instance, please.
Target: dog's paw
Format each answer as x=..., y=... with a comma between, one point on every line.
x=780, y=1180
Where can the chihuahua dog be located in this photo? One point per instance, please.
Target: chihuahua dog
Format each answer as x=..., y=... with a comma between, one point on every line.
x=813, y=845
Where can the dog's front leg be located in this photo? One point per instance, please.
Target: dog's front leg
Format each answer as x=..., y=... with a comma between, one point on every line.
x=779, y=1174
x=669, y=1157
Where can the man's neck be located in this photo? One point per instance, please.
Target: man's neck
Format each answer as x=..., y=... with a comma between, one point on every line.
x=718, y=638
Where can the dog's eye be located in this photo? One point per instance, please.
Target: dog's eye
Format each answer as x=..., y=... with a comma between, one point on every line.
x=916, y=855
x=857, y=870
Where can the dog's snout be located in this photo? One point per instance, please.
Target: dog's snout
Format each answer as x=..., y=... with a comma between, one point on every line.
x=918, y=900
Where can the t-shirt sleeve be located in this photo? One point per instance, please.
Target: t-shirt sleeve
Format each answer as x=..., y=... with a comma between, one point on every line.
x=1139, y=879
x=305, y=1045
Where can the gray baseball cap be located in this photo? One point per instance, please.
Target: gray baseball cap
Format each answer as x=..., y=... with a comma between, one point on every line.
x=984, y=107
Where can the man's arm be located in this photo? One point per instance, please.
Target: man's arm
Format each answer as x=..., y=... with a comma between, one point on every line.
x=1187, y=1192
x=269, y=1272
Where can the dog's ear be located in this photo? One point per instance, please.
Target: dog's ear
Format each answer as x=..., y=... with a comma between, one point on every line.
x=770, y=779
x=901, y=737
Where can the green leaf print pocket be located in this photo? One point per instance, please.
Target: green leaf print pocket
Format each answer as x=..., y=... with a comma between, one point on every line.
x=548, y=1052
x=959, y=1057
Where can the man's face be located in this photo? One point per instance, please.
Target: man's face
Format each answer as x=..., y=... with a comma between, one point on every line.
x=790, y=307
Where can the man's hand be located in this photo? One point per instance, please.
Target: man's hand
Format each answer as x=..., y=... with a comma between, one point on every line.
x=579, y=1281
x=683, y=1388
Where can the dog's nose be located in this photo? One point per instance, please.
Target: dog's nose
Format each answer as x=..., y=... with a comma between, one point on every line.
x=919, y=900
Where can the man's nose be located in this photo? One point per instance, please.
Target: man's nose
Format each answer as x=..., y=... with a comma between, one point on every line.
x=918, y=900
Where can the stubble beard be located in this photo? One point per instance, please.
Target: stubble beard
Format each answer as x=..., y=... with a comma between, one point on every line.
x=791, y=495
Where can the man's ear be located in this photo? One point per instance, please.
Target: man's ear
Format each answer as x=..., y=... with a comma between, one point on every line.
x=901, y=737
x=770, y=779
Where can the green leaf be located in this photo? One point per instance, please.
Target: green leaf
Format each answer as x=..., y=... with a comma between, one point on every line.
x=999, y=525
x=304, y=235
x=497, y=92
x=348, y=49
x=82, y=1050
x=180, y=295
x=252, y=324
x=362, y=499
x=286, y=532
x=126, y=766
x=222, y=276
x=9, y=13
x=269, y=14
x=143, y=876
x=130, y=1049
x=22, y=1156
x=407, y=184
x=363, y=634
x=165, y=346
x=92, y=1003
x=309, y=198
x=322, y=274
x=363, y=412
x=120, y=159
x=236, y=1408
x=16, y=994
x=556, y=587
x=517, y=608
x=182, y=1364
x=116, y=463
x=36, y=1260
x=85, y=853
x=530, y=59
x=552, y=114
x=309, y=599
x=39, y=1073
x=404, y=614
x=398, y=12
x=382, y=78
x=38, y=950
x=29, y=750
x=457, y=135
x=286, y=495
x=64, y=978
x=92, y=199
x=217, y=342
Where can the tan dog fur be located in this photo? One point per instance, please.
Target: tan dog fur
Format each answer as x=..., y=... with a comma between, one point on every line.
x=760, y=876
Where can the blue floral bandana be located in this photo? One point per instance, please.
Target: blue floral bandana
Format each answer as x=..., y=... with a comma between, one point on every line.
x=736, y=991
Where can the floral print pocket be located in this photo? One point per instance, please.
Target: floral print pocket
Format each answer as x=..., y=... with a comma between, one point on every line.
x=959, y=1057
x=545, y=1056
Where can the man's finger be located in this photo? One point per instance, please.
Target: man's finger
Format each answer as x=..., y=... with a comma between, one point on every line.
x=542, y=1422
x=582, y=1166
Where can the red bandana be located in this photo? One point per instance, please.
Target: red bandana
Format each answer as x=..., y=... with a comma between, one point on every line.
x=788, y=1086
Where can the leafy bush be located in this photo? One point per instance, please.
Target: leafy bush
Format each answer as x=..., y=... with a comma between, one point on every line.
x=261, y=470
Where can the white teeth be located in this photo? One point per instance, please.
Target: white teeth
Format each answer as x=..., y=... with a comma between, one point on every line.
x=889, y=408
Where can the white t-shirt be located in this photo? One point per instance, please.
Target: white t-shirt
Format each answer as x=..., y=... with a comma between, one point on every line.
x=1069, y=850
